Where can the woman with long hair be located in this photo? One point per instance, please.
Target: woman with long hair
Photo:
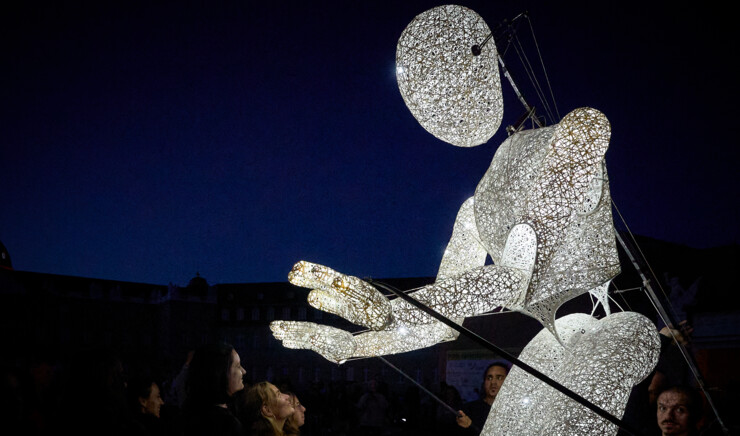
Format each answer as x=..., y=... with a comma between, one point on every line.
x=263, y=410
x=214, y=376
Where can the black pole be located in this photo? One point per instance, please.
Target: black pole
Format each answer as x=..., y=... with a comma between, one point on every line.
x=490, y=346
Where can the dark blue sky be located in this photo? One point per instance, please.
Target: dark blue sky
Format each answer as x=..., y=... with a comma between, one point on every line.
x=149, y=142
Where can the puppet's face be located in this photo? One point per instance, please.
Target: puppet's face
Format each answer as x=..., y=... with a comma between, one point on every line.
x=453, y=93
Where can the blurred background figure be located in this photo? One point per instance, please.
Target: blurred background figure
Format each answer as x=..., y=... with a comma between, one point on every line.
x=176, y=391
x=373, y=409
x=93, y=398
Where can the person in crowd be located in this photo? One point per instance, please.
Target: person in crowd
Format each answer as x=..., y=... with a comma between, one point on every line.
x=214, y=376
x=176, y=391
x=93, y=397
x=670, y=370
x=297, y=419
x=145, y=403
x=444, y=418
x=373, y=408
x=679, y=411
x=11, y=400
x=264, y=410
x=474, y=413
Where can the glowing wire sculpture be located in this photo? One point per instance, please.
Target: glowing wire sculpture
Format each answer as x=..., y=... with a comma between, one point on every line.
x=603, y=361
x=542, y=212
x=529, y=213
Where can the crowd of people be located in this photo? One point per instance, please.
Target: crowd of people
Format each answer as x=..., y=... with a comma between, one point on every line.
x=91, y=394
x=212, y=396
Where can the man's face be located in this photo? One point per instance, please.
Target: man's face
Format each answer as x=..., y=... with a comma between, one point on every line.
x=673, y=413
x=492, y=383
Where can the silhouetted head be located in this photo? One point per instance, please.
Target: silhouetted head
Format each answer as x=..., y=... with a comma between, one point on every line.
x=214, y=375
x=144, y=396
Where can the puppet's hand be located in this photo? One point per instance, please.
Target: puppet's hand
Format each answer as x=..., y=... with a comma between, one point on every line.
x=349, y=297
x=333, y=344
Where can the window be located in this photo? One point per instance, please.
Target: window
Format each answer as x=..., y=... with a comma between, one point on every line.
x=256, y=314
x=286, y=312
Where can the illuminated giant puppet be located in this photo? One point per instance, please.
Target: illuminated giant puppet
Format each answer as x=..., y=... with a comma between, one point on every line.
x=542, y=212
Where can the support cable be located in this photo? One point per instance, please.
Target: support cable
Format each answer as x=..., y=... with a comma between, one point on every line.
x=477, y=50
x=542, y=62
x=519, y=48
x=516, y=90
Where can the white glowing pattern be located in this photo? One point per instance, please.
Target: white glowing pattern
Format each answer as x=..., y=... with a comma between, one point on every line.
x=333, y=343
x=603, y=361
x=463, y=285
x=455, y=95
x=554, y=180
x=540, y=215
x=542, y=212
x=464, y=250
x=346, y=296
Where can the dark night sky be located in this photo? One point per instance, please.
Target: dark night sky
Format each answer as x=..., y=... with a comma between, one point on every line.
x=148, y=142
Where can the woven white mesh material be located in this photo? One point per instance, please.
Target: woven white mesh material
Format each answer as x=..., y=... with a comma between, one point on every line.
x=454, y=95
x=603, y=361
x=543, y=212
